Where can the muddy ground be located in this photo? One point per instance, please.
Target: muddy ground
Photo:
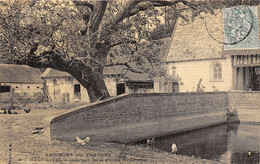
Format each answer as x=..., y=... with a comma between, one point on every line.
x=18, y=144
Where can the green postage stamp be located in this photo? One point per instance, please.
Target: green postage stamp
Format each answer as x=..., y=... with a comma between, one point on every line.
x=240, y=27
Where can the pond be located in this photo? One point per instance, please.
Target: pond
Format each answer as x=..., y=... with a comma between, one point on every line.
x=233, y=143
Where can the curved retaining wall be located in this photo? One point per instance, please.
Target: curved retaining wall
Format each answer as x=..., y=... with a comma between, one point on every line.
x=134, y=117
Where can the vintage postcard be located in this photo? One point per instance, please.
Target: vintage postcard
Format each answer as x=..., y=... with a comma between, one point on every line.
x=129, y=81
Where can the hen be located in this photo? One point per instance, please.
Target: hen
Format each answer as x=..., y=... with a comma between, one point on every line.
x=82, y=142
x=27, y=110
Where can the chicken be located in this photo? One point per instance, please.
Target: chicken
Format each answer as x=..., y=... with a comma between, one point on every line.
x=87, y=140
x=9, y=111
x=82, y=142
x=27, y=110
x=150, y=141
x=174, y=148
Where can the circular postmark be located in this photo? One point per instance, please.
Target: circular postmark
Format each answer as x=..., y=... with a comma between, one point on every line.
x=238, y=24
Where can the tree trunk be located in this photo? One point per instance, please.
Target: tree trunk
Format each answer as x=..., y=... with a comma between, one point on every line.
x=90, y=79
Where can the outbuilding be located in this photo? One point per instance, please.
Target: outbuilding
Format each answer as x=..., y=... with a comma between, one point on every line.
x=20, y=82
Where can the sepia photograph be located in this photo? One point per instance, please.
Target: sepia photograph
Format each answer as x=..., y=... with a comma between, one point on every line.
x=129, y=81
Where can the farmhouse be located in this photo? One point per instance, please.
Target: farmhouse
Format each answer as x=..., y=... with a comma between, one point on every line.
x=207, y=57
x=20, y=82
x=62, y=87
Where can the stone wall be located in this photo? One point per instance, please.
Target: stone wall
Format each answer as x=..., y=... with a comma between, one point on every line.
x=139, y=116
x=241, y=99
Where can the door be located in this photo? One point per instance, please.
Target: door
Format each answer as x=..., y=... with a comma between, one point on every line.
x=120, y=88
x=256, y=78
x=175, y=87
x=77, y=94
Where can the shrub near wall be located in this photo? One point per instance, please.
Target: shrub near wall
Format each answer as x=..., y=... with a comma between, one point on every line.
x=137, y=116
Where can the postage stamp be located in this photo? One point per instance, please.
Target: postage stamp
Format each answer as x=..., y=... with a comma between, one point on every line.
x=240, y=28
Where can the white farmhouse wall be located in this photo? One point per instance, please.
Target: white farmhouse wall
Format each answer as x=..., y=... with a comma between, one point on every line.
x=26, y=89
x=191, y=72
x=63, y=90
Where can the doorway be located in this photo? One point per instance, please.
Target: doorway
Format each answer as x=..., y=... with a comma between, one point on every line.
x=256, y=79
x=77, y=94
x=175, y=87
x=248, y=78
x=120, y=88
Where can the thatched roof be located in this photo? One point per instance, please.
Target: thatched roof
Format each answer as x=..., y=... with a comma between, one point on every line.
x=10, y=73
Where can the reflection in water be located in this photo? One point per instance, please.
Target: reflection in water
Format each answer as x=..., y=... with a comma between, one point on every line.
x=233, y=143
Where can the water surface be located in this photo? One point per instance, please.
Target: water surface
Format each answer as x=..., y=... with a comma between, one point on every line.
x=234, y=143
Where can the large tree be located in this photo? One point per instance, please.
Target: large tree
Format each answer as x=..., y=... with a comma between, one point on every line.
x=83, y=37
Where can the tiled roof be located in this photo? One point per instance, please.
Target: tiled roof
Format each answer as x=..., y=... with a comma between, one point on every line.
x=19, y=74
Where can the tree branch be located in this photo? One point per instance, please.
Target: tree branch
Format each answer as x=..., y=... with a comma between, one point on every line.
x=134, y=7
x=126, y=65
x=83, y=3
x=121, y=15
x=98, y=13
x=86, y=14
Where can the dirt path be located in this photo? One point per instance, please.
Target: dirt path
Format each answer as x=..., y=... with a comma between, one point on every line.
x=19, y=145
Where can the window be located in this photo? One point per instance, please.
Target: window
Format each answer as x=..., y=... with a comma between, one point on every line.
x=38, y=87
x=16, y=87
x=54, y=82
x=28, y=86
x=76, y=88
x=70, y=79
x=5, y=89
x=216, y=71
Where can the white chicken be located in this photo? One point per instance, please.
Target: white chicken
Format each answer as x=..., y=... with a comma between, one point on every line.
x=82, y=142
x=150, y=141
x=174, y=148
